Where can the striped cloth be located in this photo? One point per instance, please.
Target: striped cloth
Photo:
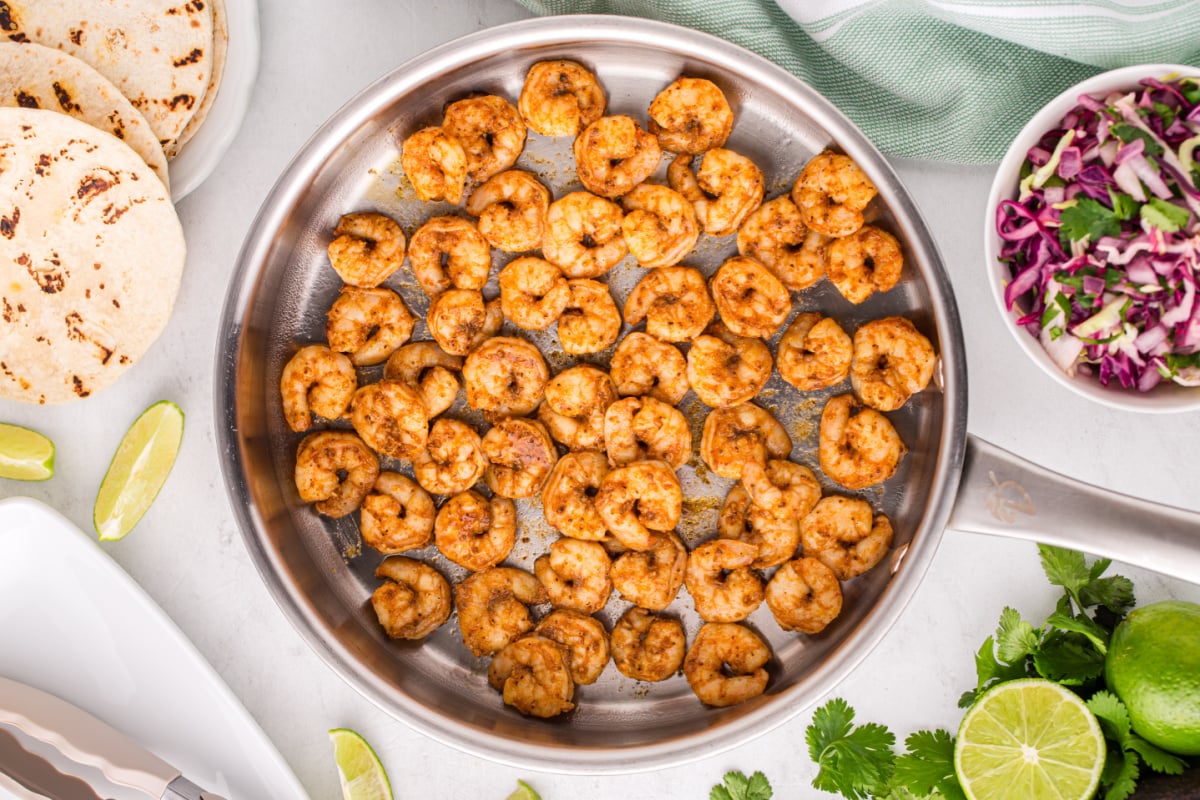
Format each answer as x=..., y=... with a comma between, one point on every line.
x=947, y=80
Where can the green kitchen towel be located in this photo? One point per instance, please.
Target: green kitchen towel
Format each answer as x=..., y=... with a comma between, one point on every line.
x=948, y=80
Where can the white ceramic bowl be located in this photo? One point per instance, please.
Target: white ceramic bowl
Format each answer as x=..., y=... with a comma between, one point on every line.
x=1167, y=397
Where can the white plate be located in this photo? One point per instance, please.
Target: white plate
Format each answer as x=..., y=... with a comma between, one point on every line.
x=73, y=623
x=201, y=155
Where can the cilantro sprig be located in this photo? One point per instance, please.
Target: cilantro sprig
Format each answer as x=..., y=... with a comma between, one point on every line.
x=737, y=786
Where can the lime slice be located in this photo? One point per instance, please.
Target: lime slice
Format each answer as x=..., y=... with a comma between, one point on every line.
x=138, y=470
x=1029, y=738
x=25, y=455
x=524, y=792
x=361, y=774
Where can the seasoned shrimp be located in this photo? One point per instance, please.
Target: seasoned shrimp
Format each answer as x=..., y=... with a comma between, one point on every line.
x=505, y=376
x=892, y=362
x=740, y=434
x=724, y=665
x=651, y=578
x=491, y=132
x=583, y=235
x=725, y=189
x=452, y=461
x=660, y=225
x=335, y=470
x=568, y=497
x=435, y=164
x=449, y=251
x=429, y=370
x=814, y=352
x=576, y=400
x=511, y=208
x=643, y=365
x=640, y=501
x=774, y=536
x=475, y=533
x=804, y=595
x=533, y=293
x=782, y=488
x=560, y=98
x=366, y=249
x=725, y=369
x=459, y=320
x=316, y=381
x=857, y=447
x=584, y=638
x=614, y=154
x=864, y=262
x=750, y=300
x=414, y=599
x=575, y=575
x=723, y=586
x=591, y=321
x=534, y=676
x=674, y=302
x=492, y=607
x=690, y=116
x=397, y=515
x=391, y=418
x=640, y=428
x=776, y=236
x=369, y=324
x=520, y=456
x=647, y=646
x=831, y=193
x=845, y=535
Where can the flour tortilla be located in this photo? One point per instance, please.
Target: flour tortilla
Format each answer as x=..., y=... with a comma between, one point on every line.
x=219, y=50
x=91, y=256
x=34, y=76
x=157, y=52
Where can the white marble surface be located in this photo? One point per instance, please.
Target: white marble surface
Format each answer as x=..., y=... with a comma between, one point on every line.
x=189, y=555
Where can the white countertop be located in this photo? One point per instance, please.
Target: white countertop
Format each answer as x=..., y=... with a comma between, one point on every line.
x=189, y=555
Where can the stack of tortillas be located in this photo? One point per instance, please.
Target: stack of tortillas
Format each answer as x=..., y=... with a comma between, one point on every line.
x=96, y=97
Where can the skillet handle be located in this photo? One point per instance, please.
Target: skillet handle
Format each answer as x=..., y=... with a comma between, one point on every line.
x=1003, y=495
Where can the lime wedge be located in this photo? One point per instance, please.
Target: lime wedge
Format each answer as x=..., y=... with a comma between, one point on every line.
x=361, y=774
x=524, y=792
x=138, y=470
x=1029, y=738
x=25, y=455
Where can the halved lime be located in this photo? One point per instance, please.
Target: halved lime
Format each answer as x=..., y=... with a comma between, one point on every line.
x=1029, y=738
x=524, y=792
x=138, y=470
x=361, y=774
x=25, y=455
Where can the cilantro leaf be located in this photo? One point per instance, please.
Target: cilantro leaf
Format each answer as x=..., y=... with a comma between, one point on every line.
x=1165, y=113
x=1155, y=758
x=1120, y=775
x=1165, y=216
x=928, y=766
x=1112, y=716
x=738, y=787
x=1065, y=568
x=855, y=761
x=1124, y=206
x=1065, y=621
x=1088, y=219
x=1131, y=133
x=1069, y=659
x=1114, y=593
x=1015, y=637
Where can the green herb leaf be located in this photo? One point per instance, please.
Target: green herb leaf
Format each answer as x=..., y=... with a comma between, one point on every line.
x=1165, y=216
x=1088, y=219
x=1114, y=593
x=1131, y=133
x=928, y=766
x=1158, y=760
x=1165, y=113
x=1083, y=625
x=1190, y=89
x=1065, y=568
x=1120, y=775
x=1015, y=638
x=1112, y=715
x=719, y=793
x=1124, y=206
x=738, y=787
x=855, y=761
x=1069, y=659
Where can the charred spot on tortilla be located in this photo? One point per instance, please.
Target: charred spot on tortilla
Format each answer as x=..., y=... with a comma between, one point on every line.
x=80, y=389
x=65, y=101
x=186, y=100
x=6, y=18
x=190, y=58
x=25, y=100
x=94, y=185
x=8, y=224
x=76, y=36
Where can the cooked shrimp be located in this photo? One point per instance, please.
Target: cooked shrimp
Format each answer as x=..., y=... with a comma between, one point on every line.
x=534, y=676
x=511, y=208
x=567, y=499
x=492, y=607
x=584, y=638
x=583, y=235
x=892, y=362
x=750, y=300
x=660, y=225
x=845, y=535
x=614, y=154
x=491, y=132
x=429, y=370
x=505, y=376
x=475, y=533
x=414, y=599
x=740, y=434
x=397, y=515
x=391, y=418
x=369, y=324
x=367, y=248
x=814, y=352
x=452, y=461
x=776, y=236
x=774, y=536
x=647, y=646
x=575, y=574
x=782, y=488
x=520, y=456
x=857, y=446
x=591, y=321
x=723, y=191
x=674, y=302
x=640, y=501
x=576, y=400
x=643, y=365
x=691, y=116
x=449, y=252
x=651, y=578
x=459, y=320
x=723, y=586
x=560, y=98
x=335, y=470
x=640, y=428
x=533, y=293
x=831, y=193
x=724, y=665
x=864, y=262
x=435, y=164
x=804, y=595
x=725, y=369
x=316, y=381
